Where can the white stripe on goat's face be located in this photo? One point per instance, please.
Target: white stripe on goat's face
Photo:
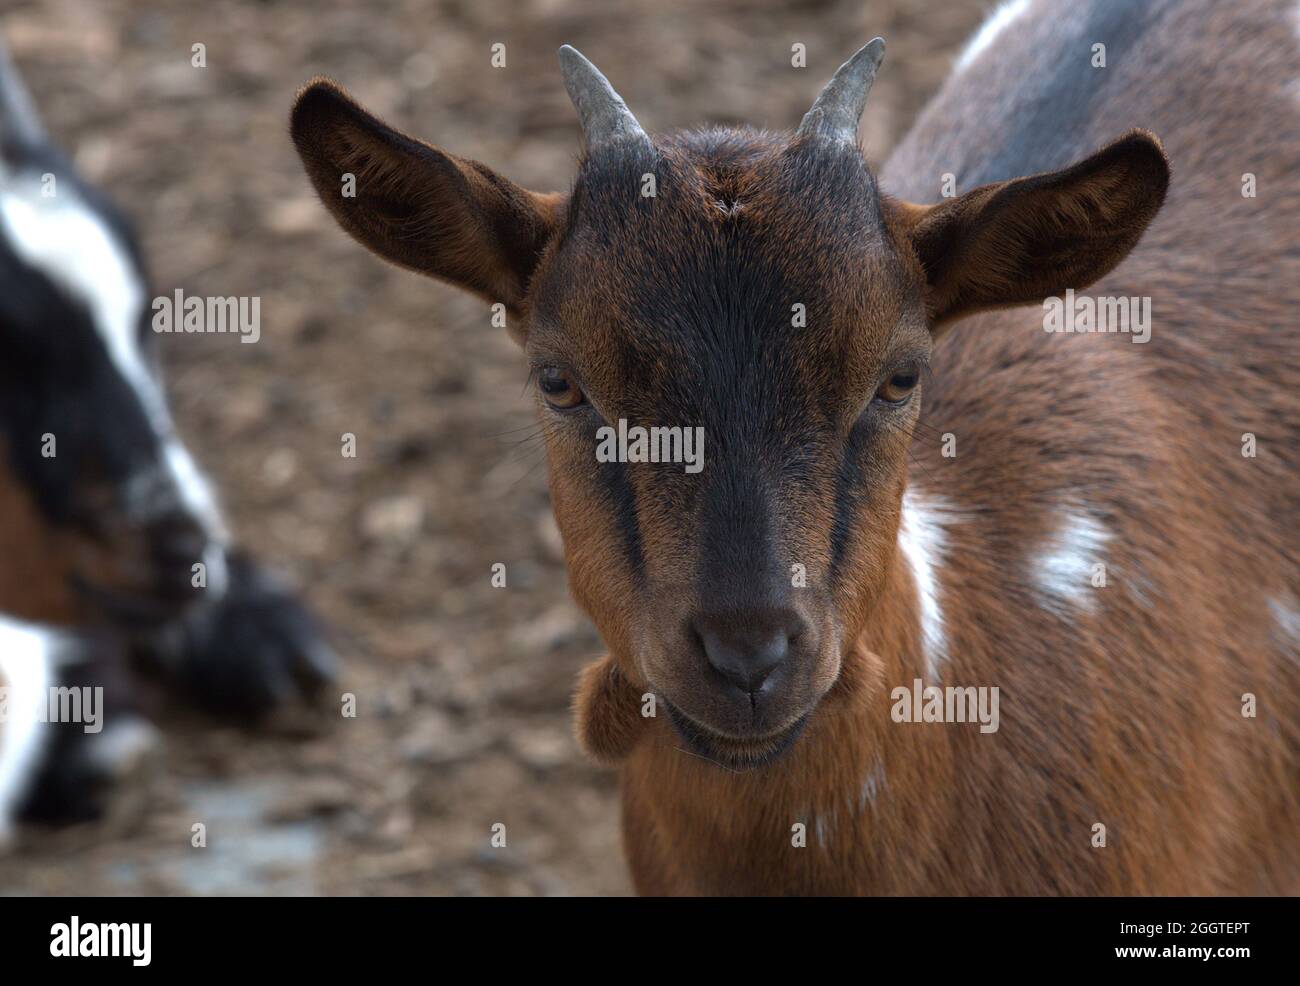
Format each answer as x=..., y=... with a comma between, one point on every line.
x=94, y=300
x=64, y=239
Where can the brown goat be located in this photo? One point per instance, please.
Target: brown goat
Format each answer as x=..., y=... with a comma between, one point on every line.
x=1100, y=534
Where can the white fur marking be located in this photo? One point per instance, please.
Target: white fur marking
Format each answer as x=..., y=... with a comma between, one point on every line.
x=122, y=746
x=1063, y=570
x=997, y=22
x=1287, y=618
x=27, y=655
x=196, y=491
x=921, y=538
x=821, y=828
x=871, y=786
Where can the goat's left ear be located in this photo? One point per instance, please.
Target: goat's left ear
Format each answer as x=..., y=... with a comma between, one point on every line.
x=1020, y=241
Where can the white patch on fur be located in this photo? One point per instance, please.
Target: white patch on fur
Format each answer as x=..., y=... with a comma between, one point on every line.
x=123, y=745
x=996, y=23
x=922, y=540
x=68, y=241
x=872, y=786
x=1063, y=570
x=1287, y=618
x=27, y=657
x=822, y=830
x=196, y=491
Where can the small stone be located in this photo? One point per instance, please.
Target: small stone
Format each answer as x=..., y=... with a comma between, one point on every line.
x=300, y=214
x=280, y=467
x=542, y=748
x=394, y=519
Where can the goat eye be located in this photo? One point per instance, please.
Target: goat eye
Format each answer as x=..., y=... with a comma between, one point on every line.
x=899, y=386
x=559, y=388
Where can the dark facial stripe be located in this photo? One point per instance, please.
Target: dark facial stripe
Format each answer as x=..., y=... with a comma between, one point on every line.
x=618, y=487
x=848, y=484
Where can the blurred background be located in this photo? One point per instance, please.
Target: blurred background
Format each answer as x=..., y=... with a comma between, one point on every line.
x=462, y=689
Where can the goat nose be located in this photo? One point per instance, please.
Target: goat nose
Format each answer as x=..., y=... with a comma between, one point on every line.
x=745, y=650
x=176, y=538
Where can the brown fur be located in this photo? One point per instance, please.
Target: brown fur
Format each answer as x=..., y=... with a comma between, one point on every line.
x=1125, y=712
x=43, y=560
x=34, y=578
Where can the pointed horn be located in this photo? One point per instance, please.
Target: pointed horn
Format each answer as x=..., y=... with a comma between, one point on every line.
x=20, y=127
x=836, y=112
x=604, y=115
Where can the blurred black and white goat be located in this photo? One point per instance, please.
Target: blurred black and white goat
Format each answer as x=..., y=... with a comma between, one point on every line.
x=108, y=530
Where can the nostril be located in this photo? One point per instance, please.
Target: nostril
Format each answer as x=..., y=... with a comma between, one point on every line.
x=742, y=654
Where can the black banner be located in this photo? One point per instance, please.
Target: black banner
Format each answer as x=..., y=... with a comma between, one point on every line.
x=144, y=937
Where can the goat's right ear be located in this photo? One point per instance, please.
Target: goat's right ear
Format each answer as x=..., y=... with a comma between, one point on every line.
x=418, y=206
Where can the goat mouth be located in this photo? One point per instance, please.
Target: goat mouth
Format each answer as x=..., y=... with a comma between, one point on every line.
x=729, y=753
x=134, y=609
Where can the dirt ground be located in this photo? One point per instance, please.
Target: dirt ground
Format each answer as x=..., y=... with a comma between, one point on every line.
x=462, y=689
